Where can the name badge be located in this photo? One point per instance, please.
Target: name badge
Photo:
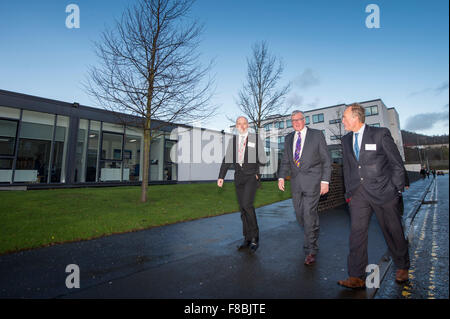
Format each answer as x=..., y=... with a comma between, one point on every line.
x=251, y=144
x=371, y=147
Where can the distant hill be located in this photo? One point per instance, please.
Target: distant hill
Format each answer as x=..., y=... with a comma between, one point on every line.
x=411, y=138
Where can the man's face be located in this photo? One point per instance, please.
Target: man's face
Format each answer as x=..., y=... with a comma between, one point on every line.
x=242, y=125
x=298, y=121
x=350, y=121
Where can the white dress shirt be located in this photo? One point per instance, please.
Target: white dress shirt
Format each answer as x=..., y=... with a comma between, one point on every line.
x=294, y=145
x=242, y=137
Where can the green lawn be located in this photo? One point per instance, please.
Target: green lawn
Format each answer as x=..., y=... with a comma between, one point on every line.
x=30, y=219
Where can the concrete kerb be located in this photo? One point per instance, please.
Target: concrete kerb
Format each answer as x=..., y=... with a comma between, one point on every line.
x=385, y=261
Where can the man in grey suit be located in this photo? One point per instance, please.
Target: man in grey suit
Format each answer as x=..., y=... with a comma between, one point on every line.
x=307, y=161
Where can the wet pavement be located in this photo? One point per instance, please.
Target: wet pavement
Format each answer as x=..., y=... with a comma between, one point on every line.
x=198, y=259
x=428, y=249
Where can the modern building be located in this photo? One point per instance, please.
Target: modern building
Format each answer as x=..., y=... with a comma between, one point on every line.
x=329, y=121
x=47, y=142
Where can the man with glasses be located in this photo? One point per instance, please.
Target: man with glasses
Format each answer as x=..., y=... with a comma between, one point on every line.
x=307, y=161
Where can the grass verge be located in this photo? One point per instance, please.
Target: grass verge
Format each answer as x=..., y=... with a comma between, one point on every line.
x=39, y=218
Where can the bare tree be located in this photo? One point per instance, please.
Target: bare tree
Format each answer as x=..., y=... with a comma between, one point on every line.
x=150, y=69
x=260, y=98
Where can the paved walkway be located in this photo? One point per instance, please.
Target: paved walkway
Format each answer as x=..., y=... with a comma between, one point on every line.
x=428, y=250
x=198, y=259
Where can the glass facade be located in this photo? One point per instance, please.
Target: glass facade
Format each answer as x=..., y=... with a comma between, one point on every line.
x=81, y=154
x=9, y=123
x=35, y=143
x=134, y=143
x=35, y=149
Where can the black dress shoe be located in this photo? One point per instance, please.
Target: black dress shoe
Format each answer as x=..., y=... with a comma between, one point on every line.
x=254, y=245
x=244, y=245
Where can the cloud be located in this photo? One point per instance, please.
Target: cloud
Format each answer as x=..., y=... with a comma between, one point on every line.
x=307, y=79
x=294, y=100
x=437, y=90
x=441, y=88
x=425, y=121
x=314, y=104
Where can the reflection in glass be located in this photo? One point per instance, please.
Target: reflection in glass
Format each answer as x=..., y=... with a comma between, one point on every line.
x=5, y=170
x=111, y=171
x=59, y=150
x=35, y=141
x=8, y=130
x=93, y=142
x=170, y=167
x=131, y=158
x=80, y=153
x=112, y=146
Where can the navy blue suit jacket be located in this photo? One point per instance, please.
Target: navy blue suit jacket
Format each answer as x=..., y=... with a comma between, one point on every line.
x=380, y=168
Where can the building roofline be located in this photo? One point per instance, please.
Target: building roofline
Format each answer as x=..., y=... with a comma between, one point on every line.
x=72, y=105
x=326, y=107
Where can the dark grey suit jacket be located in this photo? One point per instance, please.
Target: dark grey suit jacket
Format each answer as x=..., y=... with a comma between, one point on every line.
x=315, y=162
x=380, y=168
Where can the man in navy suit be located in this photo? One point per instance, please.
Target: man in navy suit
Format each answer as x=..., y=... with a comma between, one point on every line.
x=374, y=177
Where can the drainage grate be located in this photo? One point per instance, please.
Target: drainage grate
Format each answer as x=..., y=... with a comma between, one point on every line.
x=429, y=202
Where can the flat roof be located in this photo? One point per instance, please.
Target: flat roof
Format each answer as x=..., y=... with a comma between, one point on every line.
x=41, y=104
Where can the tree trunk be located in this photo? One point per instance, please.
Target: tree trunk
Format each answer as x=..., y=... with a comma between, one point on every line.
x=146, y=167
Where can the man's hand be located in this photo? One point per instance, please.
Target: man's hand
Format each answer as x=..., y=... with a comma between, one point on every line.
x=324, y=187
x=281, y=184
x=220, y=182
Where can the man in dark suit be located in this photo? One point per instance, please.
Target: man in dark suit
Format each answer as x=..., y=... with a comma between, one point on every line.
x=374, y=177
x=307, y=161
x=246, y=153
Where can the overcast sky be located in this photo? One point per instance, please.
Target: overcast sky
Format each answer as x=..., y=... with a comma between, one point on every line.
x=329, y=54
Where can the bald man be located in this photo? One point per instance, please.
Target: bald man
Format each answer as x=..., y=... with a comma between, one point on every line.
x=246, y=153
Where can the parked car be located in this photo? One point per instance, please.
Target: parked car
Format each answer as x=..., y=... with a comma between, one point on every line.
x=440, y=173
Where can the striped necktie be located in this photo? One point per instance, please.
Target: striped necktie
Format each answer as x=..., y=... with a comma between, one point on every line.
x=242, y=150
x=298, y=147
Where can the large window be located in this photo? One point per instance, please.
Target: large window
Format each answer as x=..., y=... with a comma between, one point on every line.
x=107, y=152
x=279, y=125
x=288, y=123
x=58, y=172
x=306, y=120
x=170, y=167
x=281, y=142
x=92, y=151
x=8, y=132
x=112, y=152
x=35, y=142
x=317, y=118
x=80, y=153
x=132, y=154
x=157, y=158
x=336, y=121
x=371, y=110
